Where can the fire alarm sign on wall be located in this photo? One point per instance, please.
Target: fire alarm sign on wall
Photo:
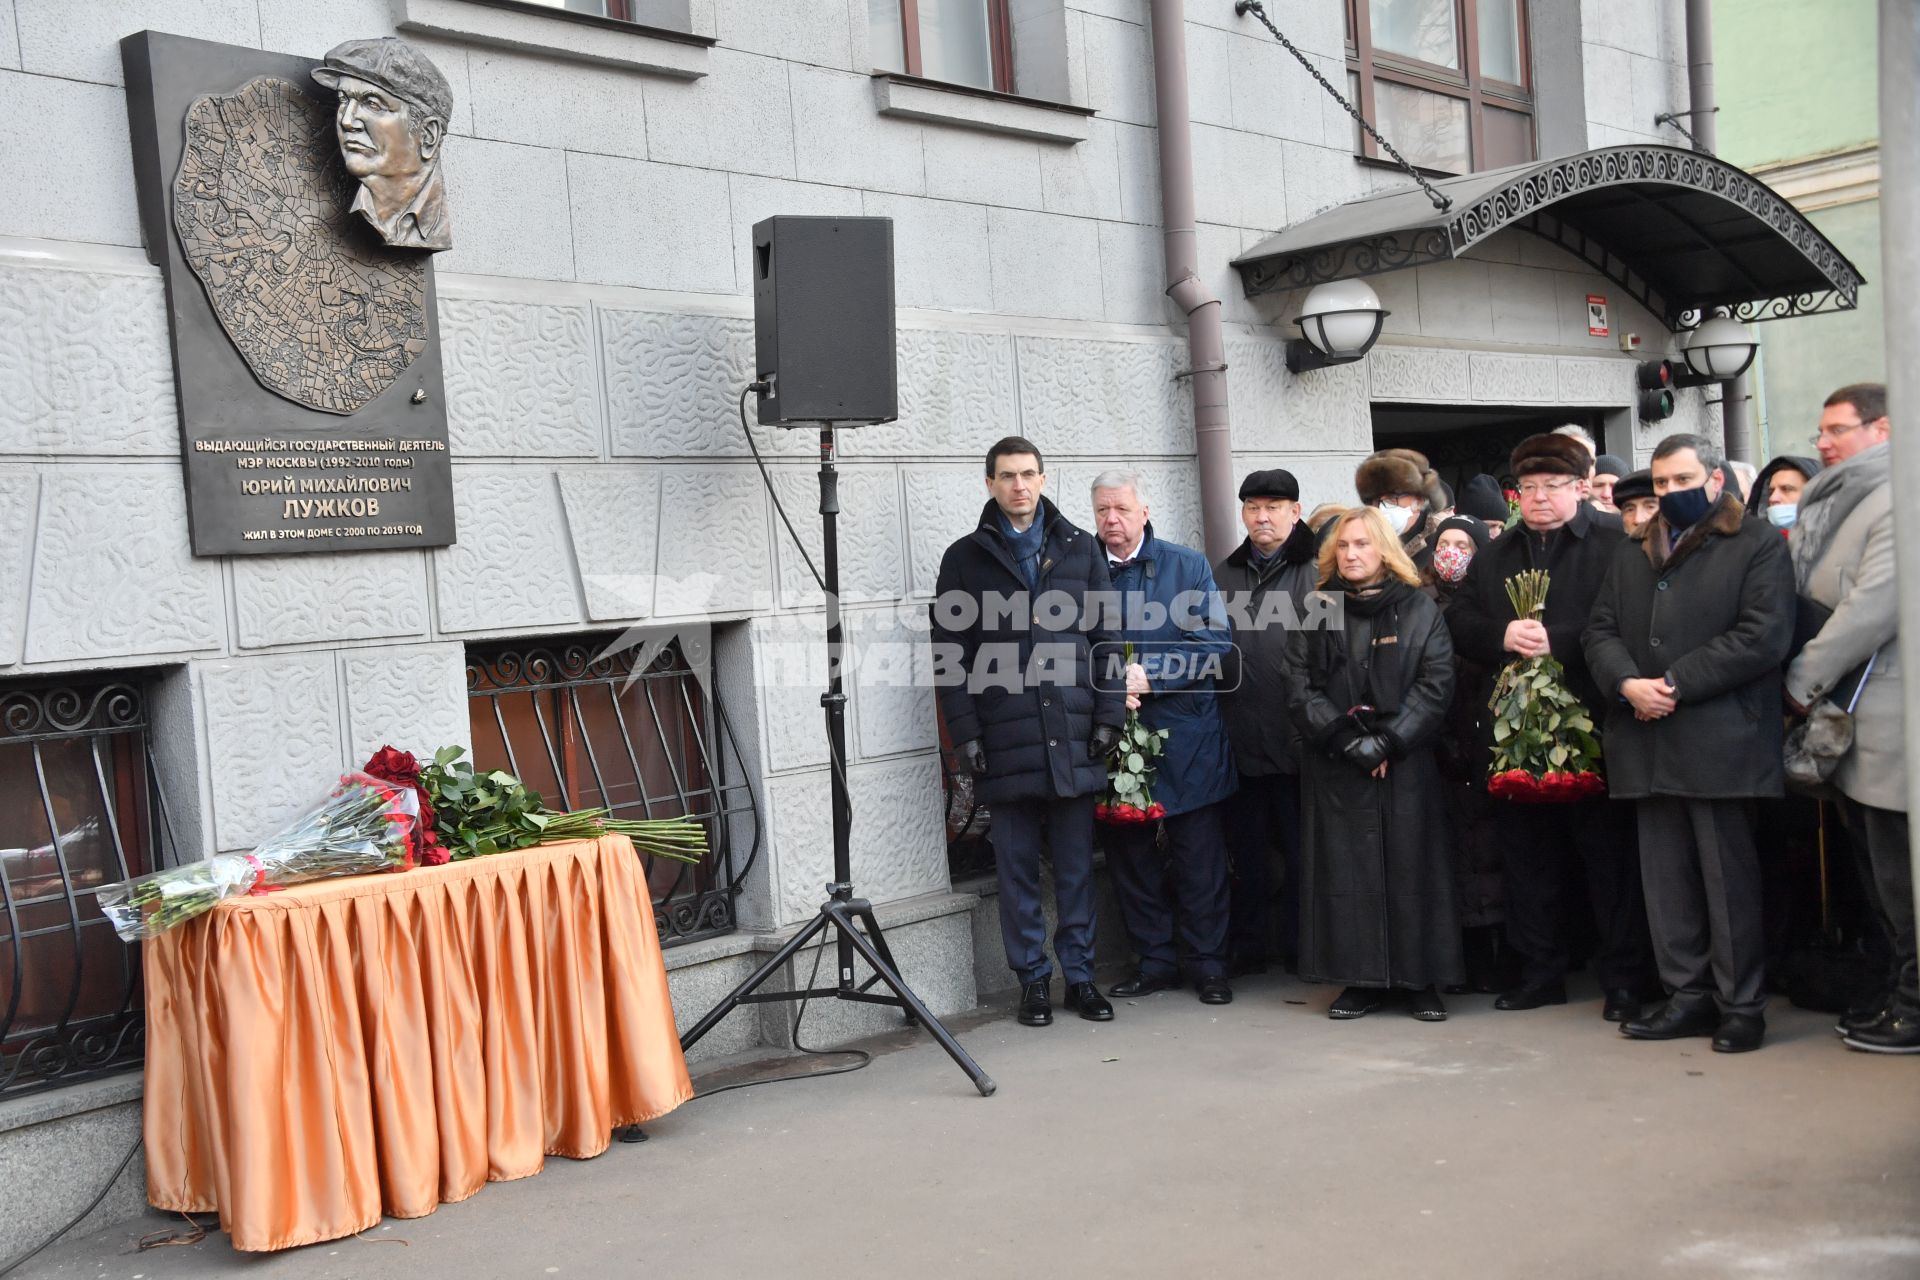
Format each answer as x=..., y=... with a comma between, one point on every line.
x=1597, y=315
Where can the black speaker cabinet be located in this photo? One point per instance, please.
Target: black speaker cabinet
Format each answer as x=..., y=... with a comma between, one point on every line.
x=823, y=335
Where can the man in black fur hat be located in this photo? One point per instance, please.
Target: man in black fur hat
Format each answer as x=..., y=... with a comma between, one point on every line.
x=1549, y=849
x=1410, y=494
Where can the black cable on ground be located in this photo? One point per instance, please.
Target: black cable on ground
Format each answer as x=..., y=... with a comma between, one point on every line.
x=19, y=1259
x=839, y=768
x=864, y=1057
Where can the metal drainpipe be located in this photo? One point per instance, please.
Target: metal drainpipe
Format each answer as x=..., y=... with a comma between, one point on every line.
x=1736, y=398
x=1900, y=297
x=1206, y=349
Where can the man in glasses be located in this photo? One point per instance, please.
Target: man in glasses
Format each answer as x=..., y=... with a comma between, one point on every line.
x=1843, y=561
x=1548, y=849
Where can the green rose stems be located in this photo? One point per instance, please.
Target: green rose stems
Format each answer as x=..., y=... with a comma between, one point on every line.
x=1130, y=770
x=480, y=813
x=1544, y=751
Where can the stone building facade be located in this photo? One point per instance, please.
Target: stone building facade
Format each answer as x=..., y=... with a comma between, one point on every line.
x=595, y=315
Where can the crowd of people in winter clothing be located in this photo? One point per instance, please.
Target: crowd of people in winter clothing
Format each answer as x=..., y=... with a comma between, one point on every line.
x=1322, y=695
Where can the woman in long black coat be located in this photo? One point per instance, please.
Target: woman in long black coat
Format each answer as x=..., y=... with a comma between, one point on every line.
x=1371, y=699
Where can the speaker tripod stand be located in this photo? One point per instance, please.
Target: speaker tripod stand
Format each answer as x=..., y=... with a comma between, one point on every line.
x=851, y=919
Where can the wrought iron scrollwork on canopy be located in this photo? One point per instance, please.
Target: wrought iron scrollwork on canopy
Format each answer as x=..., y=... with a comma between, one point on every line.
x=1799, y=304
x=1526, y=202
x=1366, y=257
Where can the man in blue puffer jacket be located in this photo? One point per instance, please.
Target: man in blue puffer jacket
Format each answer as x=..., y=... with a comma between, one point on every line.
x=1175, y=619
x=1013, y=647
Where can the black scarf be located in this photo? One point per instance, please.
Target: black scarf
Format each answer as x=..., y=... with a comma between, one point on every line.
x=1378, y=644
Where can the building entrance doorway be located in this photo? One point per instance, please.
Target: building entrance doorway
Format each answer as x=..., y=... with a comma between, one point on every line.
x=1462, y=441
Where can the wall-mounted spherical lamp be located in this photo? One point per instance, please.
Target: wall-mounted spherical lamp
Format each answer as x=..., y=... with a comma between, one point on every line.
x=1341, y=321
x=1719, y=349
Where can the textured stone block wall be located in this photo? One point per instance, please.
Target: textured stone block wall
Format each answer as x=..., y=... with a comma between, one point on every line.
x=596, y=331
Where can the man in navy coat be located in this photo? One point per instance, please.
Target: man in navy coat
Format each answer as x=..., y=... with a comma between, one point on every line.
x=1175, y=619
x=1013, y=647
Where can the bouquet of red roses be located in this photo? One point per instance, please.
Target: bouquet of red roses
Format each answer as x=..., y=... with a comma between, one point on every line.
x=1544, y=751
x=1130, y=771
x=363, y=824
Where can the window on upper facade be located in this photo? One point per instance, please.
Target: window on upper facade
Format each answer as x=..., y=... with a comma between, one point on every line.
x=667, y=15
x=967, y=42
x=1447, y=82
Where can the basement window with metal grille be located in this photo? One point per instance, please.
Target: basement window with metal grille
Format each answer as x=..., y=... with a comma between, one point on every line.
x=80, y=808
x=635, y=730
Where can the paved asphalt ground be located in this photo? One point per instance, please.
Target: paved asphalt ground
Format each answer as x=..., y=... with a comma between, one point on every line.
x=1258, y=1140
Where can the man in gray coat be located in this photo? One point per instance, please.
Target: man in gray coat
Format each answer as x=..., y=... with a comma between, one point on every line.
x=1843, y=561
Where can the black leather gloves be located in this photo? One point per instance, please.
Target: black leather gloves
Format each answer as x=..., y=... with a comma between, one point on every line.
x=1104, y=736
x=973, y=757
x=1367, y=752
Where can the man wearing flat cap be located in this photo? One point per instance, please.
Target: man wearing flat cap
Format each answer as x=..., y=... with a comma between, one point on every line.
x=391, y=123
x=1633, y=495
x=1547, y=850
x=1266, y=581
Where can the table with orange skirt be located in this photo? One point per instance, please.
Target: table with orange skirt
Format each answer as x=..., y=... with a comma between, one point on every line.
x=378, y=1045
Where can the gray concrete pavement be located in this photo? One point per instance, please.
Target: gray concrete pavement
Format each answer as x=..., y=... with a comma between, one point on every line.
x=1258, y=1139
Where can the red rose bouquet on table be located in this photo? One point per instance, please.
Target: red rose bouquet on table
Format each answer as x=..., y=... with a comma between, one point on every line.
x=400, y=769
x=1544, y=751
x=364, y=824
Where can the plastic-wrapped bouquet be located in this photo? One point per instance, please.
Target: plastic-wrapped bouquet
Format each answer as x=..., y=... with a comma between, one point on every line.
x=362, y=825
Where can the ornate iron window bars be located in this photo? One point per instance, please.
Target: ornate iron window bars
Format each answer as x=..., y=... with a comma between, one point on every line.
x=85, y=810
x=588, y=728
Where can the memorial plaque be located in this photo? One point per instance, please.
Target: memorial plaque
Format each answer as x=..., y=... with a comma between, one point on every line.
x=306, y=350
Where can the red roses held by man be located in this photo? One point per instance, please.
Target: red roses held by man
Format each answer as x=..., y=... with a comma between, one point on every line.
x=1121, y=811
x=1553, y=787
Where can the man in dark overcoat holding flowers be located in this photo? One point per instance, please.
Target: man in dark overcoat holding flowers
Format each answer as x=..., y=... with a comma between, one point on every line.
x=1549, y=849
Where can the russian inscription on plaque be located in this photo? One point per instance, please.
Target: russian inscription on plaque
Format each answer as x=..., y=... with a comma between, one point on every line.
x=294, y=207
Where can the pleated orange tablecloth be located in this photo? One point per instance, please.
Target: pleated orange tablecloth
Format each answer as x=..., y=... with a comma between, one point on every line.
x=379, y=1045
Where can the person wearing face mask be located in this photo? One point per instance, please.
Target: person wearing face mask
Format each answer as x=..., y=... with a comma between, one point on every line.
x=1456, y=541
x=1409, y=496
x=1551, y=850
x=1371, y=697
x=1776, y=490
x=1687, y=640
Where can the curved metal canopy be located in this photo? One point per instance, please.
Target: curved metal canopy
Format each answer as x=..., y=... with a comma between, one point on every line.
x=1681, y=231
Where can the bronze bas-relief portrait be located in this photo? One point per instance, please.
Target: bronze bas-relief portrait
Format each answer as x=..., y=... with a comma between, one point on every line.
x=391, y=123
